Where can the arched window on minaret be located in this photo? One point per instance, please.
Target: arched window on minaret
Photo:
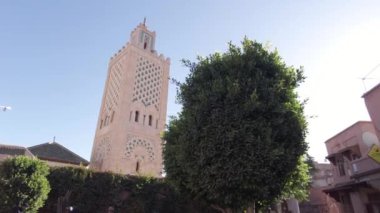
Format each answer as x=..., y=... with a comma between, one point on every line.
x=150, y=120
x=113, y=115
x=137, y=116
x=146, y=41
x=137, y=167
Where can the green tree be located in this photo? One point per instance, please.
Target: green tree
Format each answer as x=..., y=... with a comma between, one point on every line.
x=299, y=181
x=241, y=132
x=23, y=184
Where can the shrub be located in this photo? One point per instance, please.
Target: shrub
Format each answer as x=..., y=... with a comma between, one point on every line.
x=23, y=184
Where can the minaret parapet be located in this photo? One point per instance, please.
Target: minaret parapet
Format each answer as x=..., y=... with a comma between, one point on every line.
x=162, y=57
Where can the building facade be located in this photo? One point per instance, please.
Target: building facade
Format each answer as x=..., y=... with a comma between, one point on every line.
x=355, y=156
x=318, y=201
x=372, y=102
x=133, y=109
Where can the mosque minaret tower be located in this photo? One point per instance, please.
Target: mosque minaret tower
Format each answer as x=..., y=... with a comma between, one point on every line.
x=133, y=110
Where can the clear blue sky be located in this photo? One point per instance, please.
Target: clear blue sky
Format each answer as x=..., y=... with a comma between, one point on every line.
x=54, y=56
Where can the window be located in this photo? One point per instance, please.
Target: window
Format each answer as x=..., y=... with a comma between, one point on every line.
x=156, y=123
x=113, y=114
x=106, y=121
x=144, y=120
x=150, y=120
x=137, y=116
x=146, y=40
x=355, y=156
x=340, y=164
x=137, y=166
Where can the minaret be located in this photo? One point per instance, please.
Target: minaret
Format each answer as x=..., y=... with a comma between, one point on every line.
x=133, y=110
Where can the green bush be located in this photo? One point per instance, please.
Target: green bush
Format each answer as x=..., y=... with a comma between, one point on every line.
x=23, y=184
x=95, y=192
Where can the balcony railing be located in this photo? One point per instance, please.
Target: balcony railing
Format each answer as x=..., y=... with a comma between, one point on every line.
x=364, y=165
x=354, y=169
x=341, y=179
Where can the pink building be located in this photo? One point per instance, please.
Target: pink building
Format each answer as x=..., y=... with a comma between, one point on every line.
x=372, y=101
x=322, y=178
x=355, y=156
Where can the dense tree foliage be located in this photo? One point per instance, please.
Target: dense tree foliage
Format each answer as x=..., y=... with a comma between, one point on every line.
x=23, y=184
x=241, y=132
x=298, y=184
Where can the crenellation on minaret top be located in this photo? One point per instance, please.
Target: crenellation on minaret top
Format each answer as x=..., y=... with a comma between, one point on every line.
x=142, y=39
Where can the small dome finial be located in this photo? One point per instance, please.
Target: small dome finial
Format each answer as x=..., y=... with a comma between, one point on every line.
x=144, y=21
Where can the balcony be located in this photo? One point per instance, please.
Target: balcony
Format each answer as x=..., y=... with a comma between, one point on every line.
x=364, y=166
x=340, y=178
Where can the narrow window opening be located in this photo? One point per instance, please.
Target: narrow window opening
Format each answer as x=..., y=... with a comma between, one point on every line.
x=106, y=121
x=137, y=116
x=113, y=115
x=156, y=123
x=340, y=164
x=145, y=44
x=137, y=166
x=150, y=120
x=144, y=120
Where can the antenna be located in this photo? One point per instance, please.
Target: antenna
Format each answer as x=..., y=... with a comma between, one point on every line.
x=51, y=142
x=369, y=73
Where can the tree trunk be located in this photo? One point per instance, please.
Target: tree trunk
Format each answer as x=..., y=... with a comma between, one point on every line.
x=218, y=208
x=251, y=208
x=227, y=210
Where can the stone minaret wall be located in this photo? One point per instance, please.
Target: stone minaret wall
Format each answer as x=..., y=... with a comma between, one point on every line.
x=133, y=109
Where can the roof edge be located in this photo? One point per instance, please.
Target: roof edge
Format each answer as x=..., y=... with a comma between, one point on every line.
x=357, y=122
x=63, y=161
x=49, y=143
x=371, y=90
x=12, y=146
